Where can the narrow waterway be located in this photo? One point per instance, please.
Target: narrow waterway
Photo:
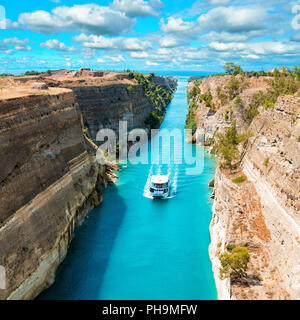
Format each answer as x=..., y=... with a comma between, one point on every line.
x=133, y=247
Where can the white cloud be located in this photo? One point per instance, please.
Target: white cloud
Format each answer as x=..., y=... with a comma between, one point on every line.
x=163, y=51
x=256, y=48
x=219, y=2
x=15, y=41
x=229, y=37
x=133, y=44
x=175, y=25
x=150, y=63
x=88, y=53
x=171, y=42
x=251, y=56
x=138, y=8
x=9, y=51
x=139, y=55
x=118, y=58
x=222, y=19
x=221, y=46
x=119, y=43
x=12, y=45
x=90, y=18
x=8, y=24
x=234, y=19
x=54, y=44
x=218, y=34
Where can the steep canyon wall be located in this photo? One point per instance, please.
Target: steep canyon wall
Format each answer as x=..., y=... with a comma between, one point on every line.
x=49, y=176
x=261, y=213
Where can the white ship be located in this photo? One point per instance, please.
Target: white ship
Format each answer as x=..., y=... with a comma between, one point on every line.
x=160, y=186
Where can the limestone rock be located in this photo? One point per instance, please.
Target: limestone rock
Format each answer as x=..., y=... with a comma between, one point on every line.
x=268, y=202
x=50, y=178
x=39, y=86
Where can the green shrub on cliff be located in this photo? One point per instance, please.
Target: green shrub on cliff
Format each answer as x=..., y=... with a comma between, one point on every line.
x=197, y=78
x=296, y=72
x=153, y=120
x=269, y=104
x=251, y=111
x=234, y=87
x=228, y=114
x=234, y=263
x=240, y=179
x=222, y=96
x=32, y=73
x=159, y=96
x=230, y=247
x=144, y=81
x=194, y=92
x=282, y=84
x=208, y=100
x=239, y=103
x=190, y=122
x=285, y=82
x=266, y=162
x=86, y=132
x=232, y=90
x=4, y=75
x=226, y=145
x=129, y=89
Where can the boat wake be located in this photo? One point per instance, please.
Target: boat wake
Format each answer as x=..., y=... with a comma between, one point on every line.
x=172, y=171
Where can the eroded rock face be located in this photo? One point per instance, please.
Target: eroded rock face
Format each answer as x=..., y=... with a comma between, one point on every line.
x=239, y=218
x=104, y=107
x=272, y=161
x=48, y=183
x=39, y=86
x=39, y=136
x=263, y=212
x=49, y=176
x=105, y=98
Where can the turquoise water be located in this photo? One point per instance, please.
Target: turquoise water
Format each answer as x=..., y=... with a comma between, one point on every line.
x=133, y=247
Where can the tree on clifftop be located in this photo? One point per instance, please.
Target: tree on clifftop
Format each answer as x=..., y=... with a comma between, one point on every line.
x=234, y=263
x=233, y=69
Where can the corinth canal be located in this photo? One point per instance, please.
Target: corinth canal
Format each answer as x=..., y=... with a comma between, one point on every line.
x=133, y=247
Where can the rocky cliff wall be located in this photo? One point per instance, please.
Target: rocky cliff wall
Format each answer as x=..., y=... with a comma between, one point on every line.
x=40, y=134
x=104, y=107
x=48, y=182
x=272, y=163
x=105, y=98
x=49, y=177
x=260, y=213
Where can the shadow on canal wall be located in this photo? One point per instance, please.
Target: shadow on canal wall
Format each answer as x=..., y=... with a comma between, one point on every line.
x=102, y=234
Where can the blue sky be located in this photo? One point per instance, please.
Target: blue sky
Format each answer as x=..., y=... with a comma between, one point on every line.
x=148, y=35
